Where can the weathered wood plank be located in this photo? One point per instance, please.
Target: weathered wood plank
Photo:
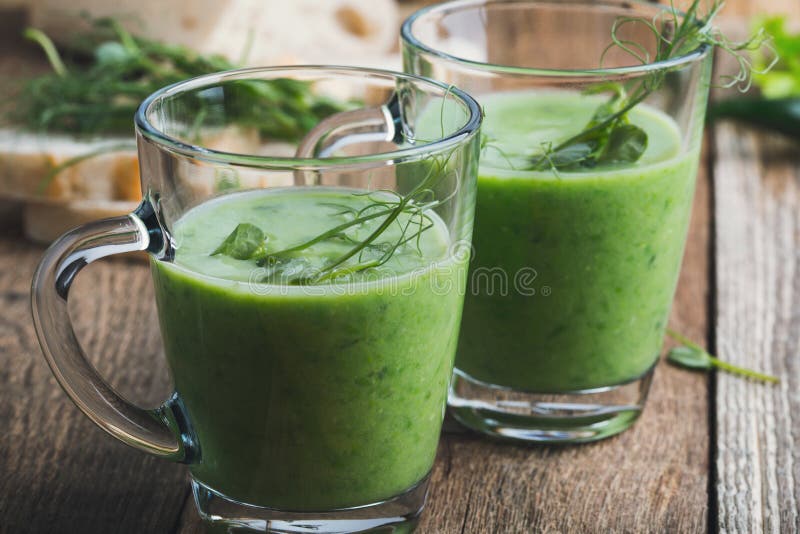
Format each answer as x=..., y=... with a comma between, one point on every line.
x=60, y=473
x=757, y=196
x=757, y=189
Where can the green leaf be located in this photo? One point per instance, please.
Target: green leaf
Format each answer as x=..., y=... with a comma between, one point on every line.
x=689, y=357
x=614, y=142
x=566, y=157
x=606, y=138
x=246, y=241
x=693, y=356
x=625, y=144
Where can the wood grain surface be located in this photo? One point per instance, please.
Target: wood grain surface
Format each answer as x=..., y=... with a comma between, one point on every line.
x=757, y=188
x=62, y=474
x=757, y=321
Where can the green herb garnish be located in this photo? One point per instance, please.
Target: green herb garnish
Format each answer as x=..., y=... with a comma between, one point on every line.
x=385, y=208
x=693, y=356
x=105, y=73
x=609, y=137
x=246, y=241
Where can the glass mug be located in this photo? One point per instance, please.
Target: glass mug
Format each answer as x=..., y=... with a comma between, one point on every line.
x=574, y=269
x=298, y=406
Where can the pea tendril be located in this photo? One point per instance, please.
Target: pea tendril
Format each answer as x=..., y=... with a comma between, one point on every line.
x=609, y=137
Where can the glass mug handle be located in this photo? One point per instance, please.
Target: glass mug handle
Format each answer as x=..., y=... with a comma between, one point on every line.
x=381, y=123
x=157, y=431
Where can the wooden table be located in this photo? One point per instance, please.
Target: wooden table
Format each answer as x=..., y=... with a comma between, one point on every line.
x=711, y=452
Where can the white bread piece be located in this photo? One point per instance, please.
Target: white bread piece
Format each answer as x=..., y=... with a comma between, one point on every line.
x=279, y=31
x=105, y=185
x=26, y=159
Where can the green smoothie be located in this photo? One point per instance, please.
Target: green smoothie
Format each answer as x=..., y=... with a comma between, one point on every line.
x=590, y=258
x=308, y=397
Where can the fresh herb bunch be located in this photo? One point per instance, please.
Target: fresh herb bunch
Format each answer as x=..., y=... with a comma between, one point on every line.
x=783, y=80
x=777, y=108
x=385, y=208
x=609, y=137
x=692, y=356
x=105, y=73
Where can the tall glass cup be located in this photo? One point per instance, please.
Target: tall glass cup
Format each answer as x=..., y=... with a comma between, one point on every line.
x=576, y=249
x=310, y=384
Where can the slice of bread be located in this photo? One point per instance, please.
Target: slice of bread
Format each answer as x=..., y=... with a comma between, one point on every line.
x=27, y=158
x=274, y=31
x=105, y=185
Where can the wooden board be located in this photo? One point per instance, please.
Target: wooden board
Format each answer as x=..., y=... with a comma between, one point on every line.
x=756, y=486
x=60, y=473
x=757, y=189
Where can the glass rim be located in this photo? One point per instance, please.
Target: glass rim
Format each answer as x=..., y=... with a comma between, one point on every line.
x=407, y=37
x=413, y=153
